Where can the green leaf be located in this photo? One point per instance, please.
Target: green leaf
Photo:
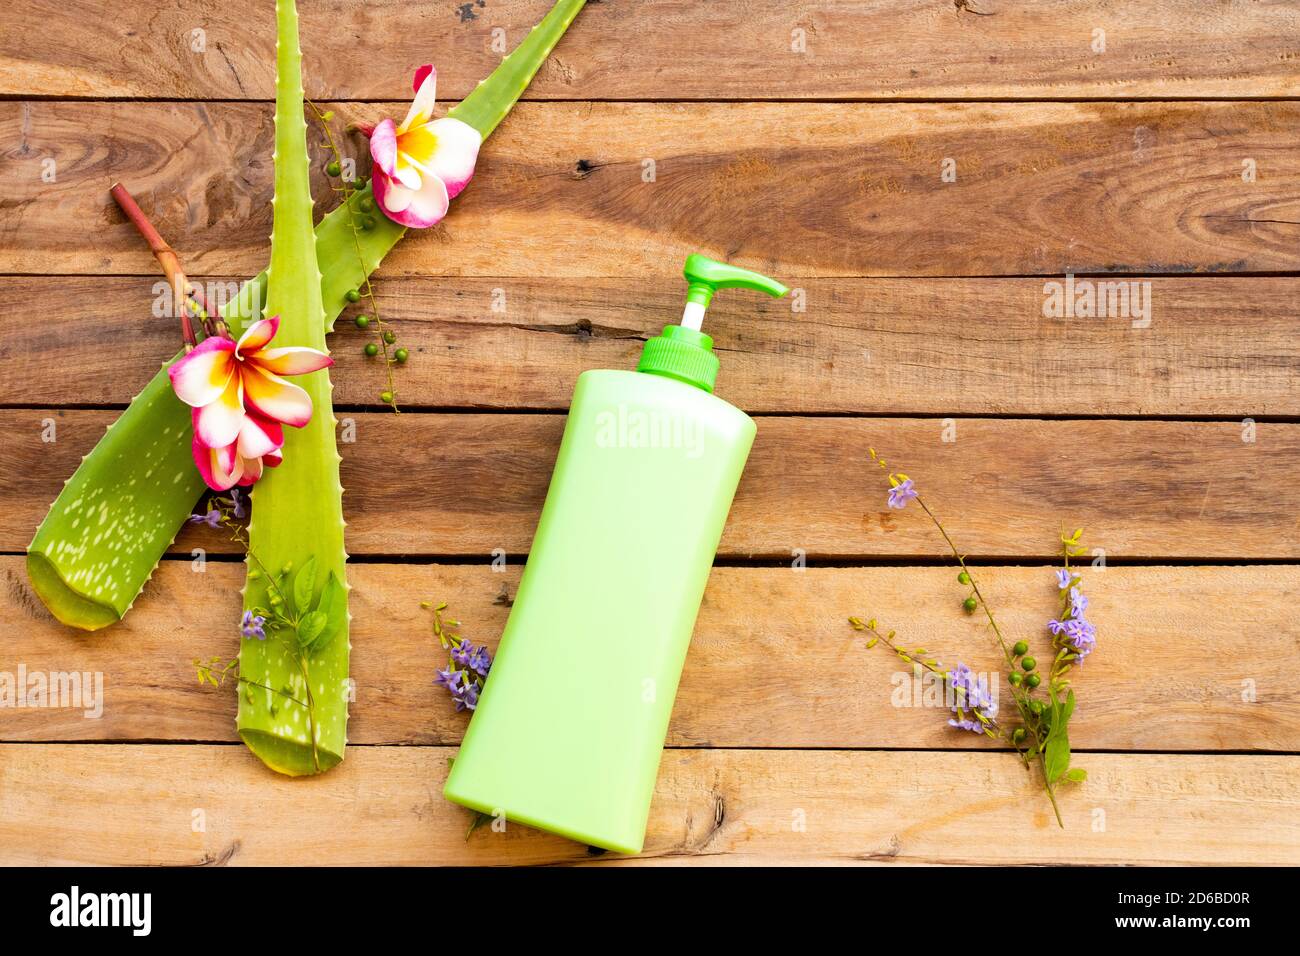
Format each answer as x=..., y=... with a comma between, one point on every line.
x=1076, y=775
x=311, y=626
x=1056, y=751
x=1067, y=709
x=334, y=605
x=304, y=583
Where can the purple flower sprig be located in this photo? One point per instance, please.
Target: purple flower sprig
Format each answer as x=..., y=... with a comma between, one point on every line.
x=1041, y=738
x=973, y=700
x=253, y=625
x=972, y=694
x=222, y=511
x=1073, y=635
x=468, y=663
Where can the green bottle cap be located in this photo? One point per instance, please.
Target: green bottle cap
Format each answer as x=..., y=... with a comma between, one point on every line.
x=684, y=352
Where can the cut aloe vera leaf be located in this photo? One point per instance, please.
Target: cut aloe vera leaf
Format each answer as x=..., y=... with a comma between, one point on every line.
x=118, y=513
x=297, y=518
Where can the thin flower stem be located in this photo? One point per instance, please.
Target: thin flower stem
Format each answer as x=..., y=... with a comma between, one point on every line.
x=207, y=668
x=1019, y=696
x=910, y=657
x=311, y=711
x=367, y=291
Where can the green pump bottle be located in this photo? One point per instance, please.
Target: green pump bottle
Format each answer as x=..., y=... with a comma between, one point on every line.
x=570, y=727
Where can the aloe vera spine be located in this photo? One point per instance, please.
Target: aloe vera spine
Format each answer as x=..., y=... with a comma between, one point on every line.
x=140, y=476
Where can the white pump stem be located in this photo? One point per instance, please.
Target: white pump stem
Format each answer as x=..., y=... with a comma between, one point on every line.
x=693, y=316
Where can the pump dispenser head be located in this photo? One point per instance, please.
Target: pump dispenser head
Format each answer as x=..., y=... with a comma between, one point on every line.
x=684, y=352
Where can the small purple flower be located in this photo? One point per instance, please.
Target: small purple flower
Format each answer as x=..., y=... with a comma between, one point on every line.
x=466, y=697
x=448, y=678
x=237, y=504
x=212, y=519
x=462, y=653
x=481, y=660
x=1078, y=602
x=1056, y=627
x=901, y=494
x=972, y=694
x=253, y=625
x=1081, y=635
x=1063, y=578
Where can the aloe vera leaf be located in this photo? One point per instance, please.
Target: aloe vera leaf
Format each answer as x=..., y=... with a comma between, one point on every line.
x=118, y=513
x=490, y=101
x=298, y=507
x=89, y=566
x=90, y=580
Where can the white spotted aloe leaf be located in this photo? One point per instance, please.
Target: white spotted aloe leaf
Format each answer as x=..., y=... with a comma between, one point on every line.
x=122, y=508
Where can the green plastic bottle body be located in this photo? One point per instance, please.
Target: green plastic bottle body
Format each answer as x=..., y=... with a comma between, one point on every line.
x=571, y=724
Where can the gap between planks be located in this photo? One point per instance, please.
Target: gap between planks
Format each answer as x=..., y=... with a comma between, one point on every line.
x=1002, y=487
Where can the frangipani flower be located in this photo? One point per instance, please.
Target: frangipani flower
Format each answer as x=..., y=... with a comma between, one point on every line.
x=240, y=463
x=240, y=401
x=221, y=377
x=421, y=165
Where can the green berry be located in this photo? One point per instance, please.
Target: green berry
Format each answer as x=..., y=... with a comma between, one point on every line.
x=401, y=355
x=366, y=205
x=1020, y=648
x=352, y=295
x=963, y=578
x=390, y=336
x=970, y=604
x=386, y=397
x=1033, y=680
x=1028, y=663
x=333, y=169
x=363, y=321
x=1036, y=706
x=1018, y=735
x=1015, y=678
x=367, y=223
x=371, y=349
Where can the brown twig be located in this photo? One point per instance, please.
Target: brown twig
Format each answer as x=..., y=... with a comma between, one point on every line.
x=183, y=291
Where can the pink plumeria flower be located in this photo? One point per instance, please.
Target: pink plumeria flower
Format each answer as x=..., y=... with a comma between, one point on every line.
x=423, y=164
x=240, y=400
x=241, y=462
x=222, y=377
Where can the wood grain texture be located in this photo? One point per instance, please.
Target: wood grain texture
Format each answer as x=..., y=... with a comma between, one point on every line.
x=714, y=807
x=772, y=662
x=879, y=49
x=795, y=190
x=465, y=484
x=1216, y=345
x=469, y=484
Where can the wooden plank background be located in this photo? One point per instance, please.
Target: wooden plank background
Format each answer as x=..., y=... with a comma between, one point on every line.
x=656, y=130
